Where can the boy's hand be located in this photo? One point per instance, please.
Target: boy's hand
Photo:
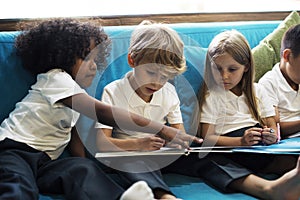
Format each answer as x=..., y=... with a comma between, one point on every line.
x=150, y=143
x=177, y=136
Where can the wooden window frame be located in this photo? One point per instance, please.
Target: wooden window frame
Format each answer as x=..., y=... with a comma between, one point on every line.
x=10, y=24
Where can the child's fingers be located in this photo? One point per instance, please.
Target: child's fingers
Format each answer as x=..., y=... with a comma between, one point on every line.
x=158, y=144
x=158, y=139
x=255, y=134
x=252, y=136
x=268, y=130
x=269, y=137
x=183, y=140
x=174, y=145
x=191, y=139
x=197, y=140
x=256, y=129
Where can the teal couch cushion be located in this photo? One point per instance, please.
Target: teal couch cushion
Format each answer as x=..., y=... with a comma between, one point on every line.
x=14, y=80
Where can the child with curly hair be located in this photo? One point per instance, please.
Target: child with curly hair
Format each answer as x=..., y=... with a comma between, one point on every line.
x=64, y=54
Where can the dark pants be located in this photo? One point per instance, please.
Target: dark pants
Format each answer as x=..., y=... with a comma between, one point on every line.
x=220, y=169
x=216, y=169
x=26, y=172
x=253, y=161
x=133, y=169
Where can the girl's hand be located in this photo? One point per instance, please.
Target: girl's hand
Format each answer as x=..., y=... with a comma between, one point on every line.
x=251, y=136
x=176, y=136
x=269, y=136
x=150, y=143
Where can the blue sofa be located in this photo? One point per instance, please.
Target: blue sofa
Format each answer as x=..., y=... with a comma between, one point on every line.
x=15, y=81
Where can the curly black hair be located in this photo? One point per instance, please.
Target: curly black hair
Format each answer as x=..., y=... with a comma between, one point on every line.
x=56, y=43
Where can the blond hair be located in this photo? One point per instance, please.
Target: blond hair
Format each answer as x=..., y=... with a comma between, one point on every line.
x=236, y=45
x=153, y=42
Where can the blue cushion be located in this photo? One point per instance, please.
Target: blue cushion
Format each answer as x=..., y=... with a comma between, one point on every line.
x=203, y=33
x=14, y=80
x=190, y=188
x=187, y=86
x=114, y=71
x=185, y=187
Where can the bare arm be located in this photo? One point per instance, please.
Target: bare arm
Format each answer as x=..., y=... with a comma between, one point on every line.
x=287, y=128
x=250, y=137
x=178, y=126
x=109, y=115
x=117, y=117
x=76, y=146
x=106, y=142
x=211, y=139
x=269, y=133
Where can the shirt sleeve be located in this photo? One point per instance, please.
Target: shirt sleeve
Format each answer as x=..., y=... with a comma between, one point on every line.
x=56, y=85
x=209, y=110
x=266, y=107
x=270, y=85
x=174, y=116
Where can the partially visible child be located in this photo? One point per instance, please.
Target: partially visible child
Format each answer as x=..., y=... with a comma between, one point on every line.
x=235, y=112
x=282, y=83
x=156, y=56
x=63, y=54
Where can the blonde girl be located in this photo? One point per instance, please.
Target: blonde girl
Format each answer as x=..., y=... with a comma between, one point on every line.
x=235, y=112
x=231, y=104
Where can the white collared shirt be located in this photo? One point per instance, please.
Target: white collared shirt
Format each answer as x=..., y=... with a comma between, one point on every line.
x=229, y=112
x=163, y=107
x=39, y=120
x=282, y=94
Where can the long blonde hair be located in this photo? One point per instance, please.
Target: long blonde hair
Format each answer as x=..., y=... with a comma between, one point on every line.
x=235, y=44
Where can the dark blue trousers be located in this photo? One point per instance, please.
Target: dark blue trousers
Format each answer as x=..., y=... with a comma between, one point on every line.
x=133, y=169
x=26, y=172
x=215, y=169
x=221, y=169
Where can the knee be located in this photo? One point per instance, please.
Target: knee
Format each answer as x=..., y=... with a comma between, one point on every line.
x=15, y=186
x=84, y=167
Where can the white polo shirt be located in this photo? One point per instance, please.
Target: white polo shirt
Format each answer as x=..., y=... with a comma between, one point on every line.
x=229, y=112
x=39, y=120
x=282, y=95
x=163, y=107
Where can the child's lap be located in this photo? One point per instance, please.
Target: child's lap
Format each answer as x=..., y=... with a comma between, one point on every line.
x=254, y=162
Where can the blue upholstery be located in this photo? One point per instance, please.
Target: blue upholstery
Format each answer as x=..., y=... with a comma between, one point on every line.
x=14, y=83
x=14, y=80
x=191, y=188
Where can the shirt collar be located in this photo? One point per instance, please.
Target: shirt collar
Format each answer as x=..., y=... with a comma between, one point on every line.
x=134, y=100
x=280, y=78
x=228, y=95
